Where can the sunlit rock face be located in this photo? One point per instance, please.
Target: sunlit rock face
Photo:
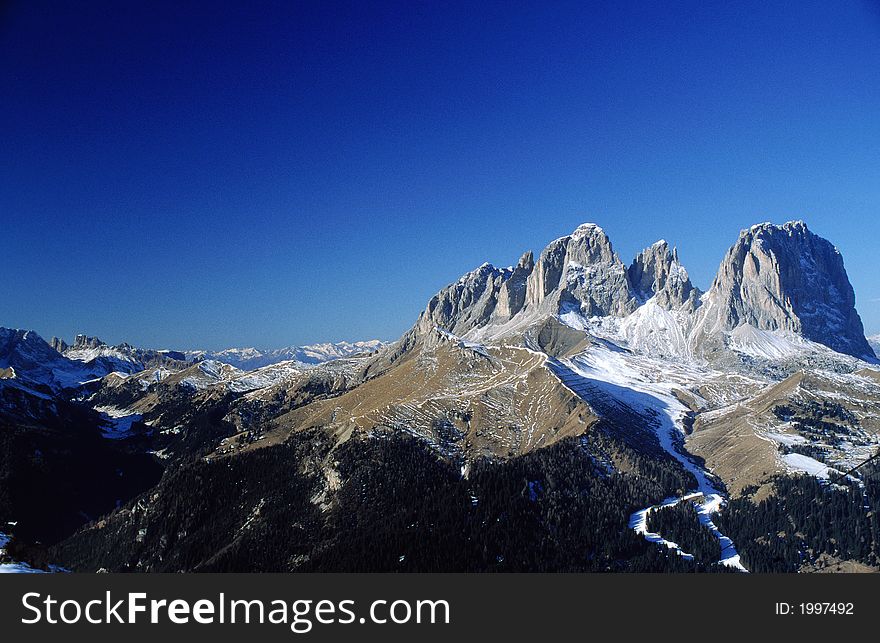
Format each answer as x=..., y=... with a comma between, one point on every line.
x=786, y=278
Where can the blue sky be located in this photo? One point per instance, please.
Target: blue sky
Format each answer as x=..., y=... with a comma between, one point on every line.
x=279, y=173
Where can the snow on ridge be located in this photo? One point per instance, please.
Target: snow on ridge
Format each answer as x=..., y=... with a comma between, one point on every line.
x=655, y=331
x=266, y=376
x=477, y=347
x=650, y=329
x=581, y=231
x=585, y=228
x=117, y=423
x=250, y=358
x=89, y=354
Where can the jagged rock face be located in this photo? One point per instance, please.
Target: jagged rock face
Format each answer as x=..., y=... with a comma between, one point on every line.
x=40, y=363
x=512, y=296
x=85, y=341
x=578, y=272
x=58, y=344
x=581, y=272
x=787, y=278
x=657, y=273
x=101, y=358
x=466, y=304
x=774, y=278
x=29, y=358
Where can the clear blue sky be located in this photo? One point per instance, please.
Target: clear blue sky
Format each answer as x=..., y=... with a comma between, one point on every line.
x=278, y=173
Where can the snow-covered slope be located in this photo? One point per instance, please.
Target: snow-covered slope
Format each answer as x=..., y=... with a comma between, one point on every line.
x=12, y=567
x=103, y=358
x=765, y=344
x=874, y=341
x=651, y=329
x=209, y=373
x=27, y=359
x=608, y=378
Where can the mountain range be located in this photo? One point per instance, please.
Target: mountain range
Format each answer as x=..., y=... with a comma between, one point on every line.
x=572, y=412
x=58, y=365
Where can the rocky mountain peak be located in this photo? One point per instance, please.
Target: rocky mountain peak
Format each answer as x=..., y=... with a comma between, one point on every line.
x=16, y=340
x=577, y=272
x=34, y=361
x=589, y=229
x=87, y=341
x=467, y=303
x=512, y=295
x=775, y=277
x=657, y=273
x=589, y=243
x=784, y=277
x=581, y=272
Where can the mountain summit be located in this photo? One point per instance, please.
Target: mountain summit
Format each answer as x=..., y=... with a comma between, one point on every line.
x=787, y=278
x=578, y=272
x=657, y=272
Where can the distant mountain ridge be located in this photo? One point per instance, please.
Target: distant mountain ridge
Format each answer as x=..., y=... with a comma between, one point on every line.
x=251, y=358
x=27, y=358
x=126, y=357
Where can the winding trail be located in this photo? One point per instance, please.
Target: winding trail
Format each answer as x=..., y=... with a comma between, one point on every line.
x=638, y=522
x=605, y=379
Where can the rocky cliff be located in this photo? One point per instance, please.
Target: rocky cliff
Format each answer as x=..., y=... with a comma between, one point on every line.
x=786, y=278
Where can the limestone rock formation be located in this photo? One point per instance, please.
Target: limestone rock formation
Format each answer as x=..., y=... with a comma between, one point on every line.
x=786, y=278
x=657, y=273
x=512, y=296
x=466, y=304
x=581, y=272
x=774, y=278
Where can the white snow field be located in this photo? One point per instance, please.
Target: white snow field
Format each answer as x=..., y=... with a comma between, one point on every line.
x=806, y=464
x=612, y=377
x=117, y=423
x=14, y=568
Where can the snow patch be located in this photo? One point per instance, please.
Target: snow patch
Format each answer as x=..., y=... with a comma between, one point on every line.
x=613, y=374
x=13, y=567
x=765, y=344
x=805, y=464
x=117, y=423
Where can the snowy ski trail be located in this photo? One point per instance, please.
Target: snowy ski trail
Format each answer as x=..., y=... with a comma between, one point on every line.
x=604, y=379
